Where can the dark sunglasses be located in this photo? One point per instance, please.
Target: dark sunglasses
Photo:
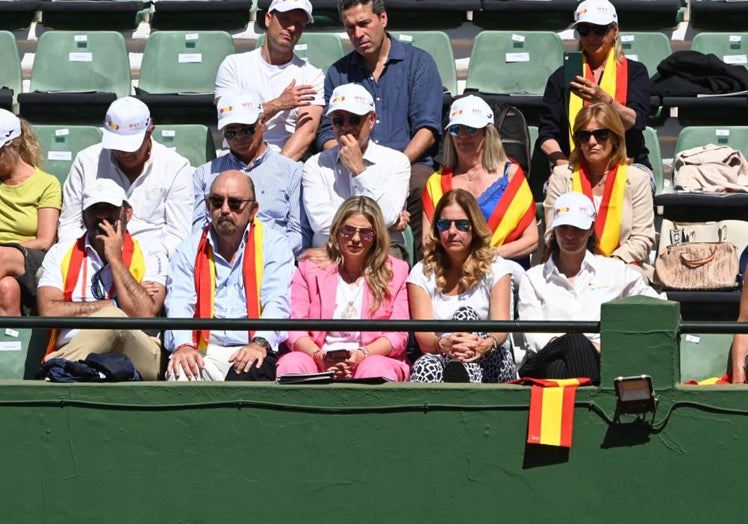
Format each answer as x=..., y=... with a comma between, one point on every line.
x=365, y=233
x=230, y=134
x=601, y=135
x=600, y=30
x=235, y=204
x=462, y=224
x=354, y=121
x=97, y=286
x=455, y=130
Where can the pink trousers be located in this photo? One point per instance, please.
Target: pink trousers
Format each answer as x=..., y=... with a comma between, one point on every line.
x=371, y=366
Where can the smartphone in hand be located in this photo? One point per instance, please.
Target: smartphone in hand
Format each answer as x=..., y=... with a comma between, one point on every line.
x=337, y=355
x=573, y=66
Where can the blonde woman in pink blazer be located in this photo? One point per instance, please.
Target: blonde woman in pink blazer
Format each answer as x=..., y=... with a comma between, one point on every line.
x=363, y=282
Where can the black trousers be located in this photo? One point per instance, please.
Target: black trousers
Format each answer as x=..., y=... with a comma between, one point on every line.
x=265, y=372
x=569, y=356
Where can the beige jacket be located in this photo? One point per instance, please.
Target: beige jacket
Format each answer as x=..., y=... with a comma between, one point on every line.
x=637, y=222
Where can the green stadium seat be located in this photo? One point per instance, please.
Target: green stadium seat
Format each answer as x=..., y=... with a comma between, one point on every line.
x=655, y=157
x=62, y=143
x=75, y=76
x=439, y=46
x=178, y=72
x=88, y=15
x=731, y=48
x=21, y=352
x=192, y=141
x=649, y=48
x=704, y=356
x=10, y=70
x=320, y=49
x=694, y=136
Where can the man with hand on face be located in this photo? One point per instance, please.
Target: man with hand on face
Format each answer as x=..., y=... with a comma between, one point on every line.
x=290, y=89
x=356, y=166
x=277, y=178
x=236, y=267
x=157, y=181
x=104, y=273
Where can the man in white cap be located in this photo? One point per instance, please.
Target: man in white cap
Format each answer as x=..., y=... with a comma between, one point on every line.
x=104, y=273
x=355, y=166
x=277, y=179
x=156, y=180
x=290, y=89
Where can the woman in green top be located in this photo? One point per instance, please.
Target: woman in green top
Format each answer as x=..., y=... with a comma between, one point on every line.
x=30, y=202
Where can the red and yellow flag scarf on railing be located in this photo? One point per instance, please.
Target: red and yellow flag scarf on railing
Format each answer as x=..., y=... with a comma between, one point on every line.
x=205, y=279
x=615, y=82
x=711, y=381
x=75, y=260
x=551, y=420
x=610, y=214
x=511, y=216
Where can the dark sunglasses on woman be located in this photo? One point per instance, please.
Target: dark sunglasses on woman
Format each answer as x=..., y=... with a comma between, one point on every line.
x=462, y=224
x=455, y=129
x=601, y=135
x=600, y=30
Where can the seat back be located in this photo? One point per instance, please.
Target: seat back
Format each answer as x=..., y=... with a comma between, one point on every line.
x=731, y=48
x=649, y=48
x=319, y=49
x=183, y=61
x=81, y=61
x=21, y=351
x=439, y=46
x=655, y=157
x=62, y=143
x=513, y=62
x=10, y=63
x=694, y=136
x=736, y=231
x=192, y=141
x=704, y=356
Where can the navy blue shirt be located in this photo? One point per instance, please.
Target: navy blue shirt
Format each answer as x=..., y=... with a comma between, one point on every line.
x=554, y=118
x=407, y=97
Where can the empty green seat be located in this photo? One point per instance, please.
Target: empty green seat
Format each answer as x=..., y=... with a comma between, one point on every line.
x=10, y=70
x=192, y=141
x=62, y=143
x=655, y=157
x=704, y=356
x=731, y=48
x=21, y=352
x=439, y=46
x=649, y=48
x=320, y=49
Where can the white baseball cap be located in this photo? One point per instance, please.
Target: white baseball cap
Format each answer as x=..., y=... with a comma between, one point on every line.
x=103, y=190
x=470, y=111
x=573, y=209
x=596, y=12
x=238, y=108
x=10, y=127
x=353, y=98
x=126, y=123
x=290, y=5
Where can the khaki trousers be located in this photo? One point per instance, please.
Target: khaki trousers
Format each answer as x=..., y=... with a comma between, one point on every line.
x=143, y=350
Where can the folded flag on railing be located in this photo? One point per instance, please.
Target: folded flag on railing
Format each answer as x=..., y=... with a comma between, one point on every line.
x=712, y=381
x=551, y=420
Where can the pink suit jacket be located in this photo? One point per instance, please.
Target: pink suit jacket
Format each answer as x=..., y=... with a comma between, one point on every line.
x=313, y=292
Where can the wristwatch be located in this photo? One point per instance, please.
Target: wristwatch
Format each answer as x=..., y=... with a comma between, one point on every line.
x=262, y=342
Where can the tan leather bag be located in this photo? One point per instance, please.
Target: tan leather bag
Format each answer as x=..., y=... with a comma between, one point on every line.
x=698, y=266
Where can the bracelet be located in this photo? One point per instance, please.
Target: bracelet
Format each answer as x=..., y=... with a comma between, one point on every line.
x=496, y=344
x=365, y=351
x=316, y=354
x=555, y=157
x=182, y=346
x=437, y=348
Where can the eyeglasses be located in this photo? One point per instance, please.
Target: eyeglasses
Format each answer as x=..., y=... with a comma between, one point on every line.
x=353, y=121
x=455, y=129
x=601, y=135
x=462, y=224
x=365, y=233
x=230, y=134
x=97, y=286
x=235, y=204
x=586, y=29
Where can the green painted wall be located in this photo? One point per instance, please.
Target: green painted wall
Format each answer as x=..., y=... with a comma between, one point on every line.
x=393, y=453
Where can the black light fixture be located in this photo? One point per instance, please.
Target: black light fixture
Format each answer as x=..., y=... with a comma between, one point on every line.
x=634, y=396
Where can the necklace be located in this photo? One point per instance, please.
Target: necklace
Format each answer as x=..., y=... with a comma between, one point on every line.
x=351, y=294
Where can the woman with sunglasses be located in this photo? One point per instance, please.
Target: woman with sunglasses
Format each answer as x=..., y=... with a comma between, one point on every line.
x=30, y=200
x=607, y=77
x=461, y=277
x=572, y=284
x=620, y=192
x=475, y=160
x=364, y=282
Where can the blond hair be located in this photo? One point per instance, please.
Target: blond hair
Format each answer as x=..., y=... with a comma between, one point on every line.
x=494, y=156
x=607, y=118
x=27, y=146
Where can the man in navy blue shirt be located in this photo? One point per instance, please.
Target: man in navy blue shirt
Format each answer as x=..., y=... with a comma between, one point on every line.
x=407, y=92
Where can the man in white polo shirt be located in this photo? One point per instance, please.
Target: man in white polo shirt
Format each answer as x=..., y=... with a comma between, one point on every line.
x=157, y=181
x=290, y=89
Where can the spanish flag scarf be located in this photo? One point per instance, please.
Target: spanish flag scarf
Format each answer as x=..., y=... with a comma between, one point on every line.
x=609, y=216
x=75, y=262
x=614, y=81
x=509, y=219
x=205, y=279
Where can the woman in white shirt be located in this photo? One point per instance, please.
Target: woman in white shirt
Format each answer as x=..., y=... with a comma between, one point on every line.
x=461, y=278
x=571, y=285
